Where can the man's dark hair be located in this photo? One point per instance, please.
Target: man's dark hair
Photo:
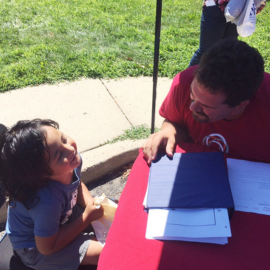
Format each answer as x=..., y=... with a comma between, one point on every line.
x=24, y=160
x=232, y=67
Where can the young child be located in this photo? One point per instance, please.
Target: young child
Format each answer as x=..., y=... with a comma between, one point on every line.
x=40, y=169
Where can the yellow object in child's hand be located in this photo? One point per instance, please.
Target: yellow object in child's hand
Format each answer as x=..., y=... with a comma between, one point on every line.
x=102, y=225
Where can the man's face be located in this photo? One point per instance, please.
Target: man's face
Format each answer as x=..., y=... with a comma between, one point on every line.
x=208, y=107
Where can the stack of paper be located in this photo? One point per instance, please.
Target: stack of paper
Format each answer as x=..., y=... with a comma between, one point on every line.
x=187, y=198
x=250, y=184
x=194, y=225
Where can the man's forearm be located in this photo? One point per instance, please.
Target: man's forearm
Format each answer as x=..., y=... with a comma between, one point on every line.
x=169, y=135
x=181, y=134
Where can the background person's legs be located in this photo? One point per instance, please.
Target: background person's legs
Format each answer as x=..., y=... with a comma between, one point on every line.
x=213, y=29
x=230, y=31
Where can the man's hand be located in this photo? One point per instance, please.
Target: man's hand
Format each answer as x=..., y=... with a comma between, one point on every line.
x=157, y=140
x=167, y=137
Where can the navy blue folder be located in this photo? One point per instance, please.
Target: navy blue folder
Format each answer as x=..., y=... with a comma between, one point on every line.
x=189, y=180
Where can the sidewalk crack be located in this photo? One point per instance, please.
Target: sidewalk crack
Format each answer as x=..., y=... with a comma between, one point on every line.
x=116, y=102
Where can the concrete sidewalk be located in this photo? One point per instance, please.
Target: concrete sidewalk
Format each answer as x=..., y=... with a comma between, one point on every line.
x=92, y=112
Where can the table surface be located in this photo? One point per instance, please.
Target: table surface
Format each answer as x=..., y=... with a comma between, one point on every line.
x=127, y=248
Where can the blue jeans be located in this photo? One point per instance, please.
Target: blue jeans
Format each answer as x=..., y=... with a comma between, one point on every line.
x=213, y=29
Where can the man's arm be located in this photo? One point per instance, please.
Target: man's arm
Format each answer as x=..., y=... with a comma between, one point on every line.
x=168, y=136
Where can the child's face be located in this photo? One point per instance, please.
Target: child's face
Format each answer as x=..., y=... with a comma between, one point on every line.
x=64, y=157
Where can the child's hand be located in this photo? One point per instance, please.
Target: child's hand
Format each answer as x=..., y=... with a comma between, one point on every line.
x=92, y=212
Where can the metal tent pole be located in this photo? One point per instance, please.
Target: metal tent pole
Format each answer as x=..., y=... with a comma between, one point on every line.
x=156, y=58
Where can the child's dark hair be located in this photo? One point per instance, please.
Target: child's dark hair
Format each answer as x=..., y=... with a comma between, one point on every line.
x=24, y=160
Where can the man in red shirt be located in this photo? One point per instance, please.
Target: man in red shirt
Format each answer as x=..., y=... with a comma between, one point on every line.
x=223, y=103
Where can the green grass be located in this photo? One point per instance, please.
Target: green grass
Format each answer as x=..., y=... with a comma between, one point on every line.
x=134, y=133
x=47, y=41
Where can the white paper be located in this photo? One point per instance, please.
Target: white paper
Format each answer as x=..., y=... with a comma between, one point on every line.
x=210, y=3
x=210, y=240
x=199, y=225
x=250, y=185
x=145, y=196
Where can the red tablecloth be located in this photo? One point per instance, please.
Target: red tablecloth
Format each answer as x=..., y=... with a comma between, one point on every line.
x=127, y=248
